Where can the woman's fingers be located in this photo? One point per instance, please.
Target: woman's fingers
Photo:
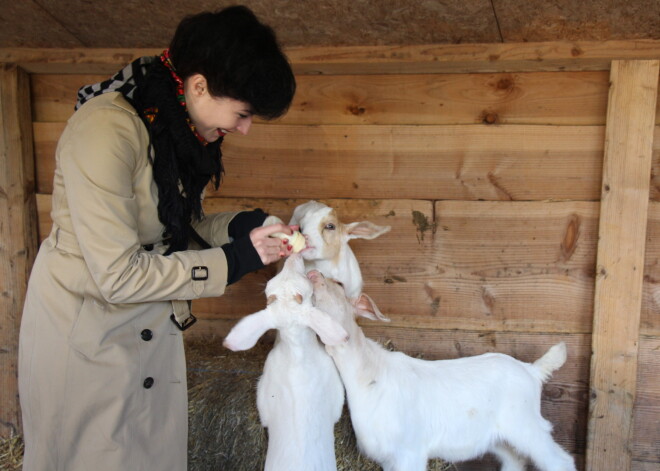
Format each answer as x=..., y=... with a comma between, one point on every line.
x=271, y=249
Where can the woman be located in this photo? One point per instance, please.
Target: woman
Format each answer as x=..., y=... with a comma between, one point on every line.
x=102, y=376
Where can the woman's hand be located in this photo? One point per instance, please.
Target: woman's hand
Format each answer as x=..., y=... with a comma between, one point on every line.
x=271, y=249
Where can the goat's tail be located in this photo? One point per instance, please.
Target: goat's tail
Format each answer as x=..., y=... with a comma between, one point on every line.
x=551, y=361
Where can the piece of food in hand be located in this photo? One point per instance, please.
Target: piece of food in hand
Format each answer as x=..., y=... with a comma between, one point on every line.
x=296, y=240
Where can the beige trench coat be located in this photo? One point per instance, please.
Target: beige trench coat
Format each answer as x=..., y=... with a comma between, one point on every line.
x=102, y=375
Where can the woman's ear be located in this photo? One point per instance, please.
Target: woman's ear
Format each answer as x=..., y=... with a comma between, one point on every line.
x=196, y=85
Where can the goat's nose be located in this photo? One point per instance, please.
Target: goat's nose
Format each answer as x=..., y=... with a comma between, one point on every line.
x=315, y=275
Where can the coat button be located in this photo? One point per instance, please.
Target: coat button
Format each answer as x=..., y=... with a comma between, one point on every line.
x=146, y=335
x=148, y=383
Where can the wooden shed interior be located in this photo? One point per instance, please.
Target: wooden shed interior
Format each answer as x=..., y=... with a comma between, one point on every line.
x=514, y=150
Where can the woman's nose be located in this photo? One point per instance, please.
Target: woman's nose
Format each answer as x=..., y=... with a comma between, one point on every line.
x=244, y=125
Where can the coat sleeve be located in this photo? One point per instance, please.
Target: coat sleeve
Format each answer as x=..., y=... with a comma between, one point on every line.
x=98, y=160
x=214, y=228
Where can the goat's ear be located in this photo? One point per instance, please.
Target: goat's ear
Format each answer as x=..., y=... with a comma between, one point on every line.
x=330, y=331
x=245, y=334
x=365, y=230
x=366, y=307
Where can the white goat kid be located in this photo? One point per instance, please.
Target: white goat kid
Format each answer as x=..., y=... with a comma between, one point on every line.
x=327, y=243
x=406, y=410
x=299, y=396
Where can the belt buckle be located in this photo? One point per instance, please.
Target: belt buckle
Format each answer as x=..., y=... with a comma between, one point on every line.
x=186, y=323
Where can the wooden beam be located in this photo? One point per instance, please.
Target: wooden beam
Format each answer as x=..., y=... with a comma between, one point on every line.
x=464, y=162
x=581, y=228
x=620, y=263
x=73, y=60
x=18, y=230
x=464, y=265
x=560, y=98
x=459, y=58
x=415, y=59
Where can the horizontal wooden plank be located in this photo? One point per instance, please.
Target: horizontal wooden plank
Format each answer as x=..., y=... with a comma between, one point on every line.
x=476, y=162
x=73, y=60
x=477, y=265
x=53, y=96
x=518, y=266
x=650, y=324
x=386, y=262
x=567, y=98
x=482, y=268
x=416, y=162
x=456, y=58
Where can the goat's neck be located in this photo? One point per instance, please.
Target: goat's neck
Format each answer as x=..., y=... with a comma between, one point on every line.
x=344, y=267
x=358, y=358
x=296, y=339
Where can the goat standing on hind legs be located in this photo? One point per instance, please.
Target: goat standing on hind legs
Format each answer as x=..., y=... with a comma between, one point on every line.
x=299, y=396
x=405, y=410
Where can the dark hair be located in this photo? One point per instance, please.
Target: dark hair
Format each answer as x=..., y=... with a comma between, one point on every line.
x=239, y=57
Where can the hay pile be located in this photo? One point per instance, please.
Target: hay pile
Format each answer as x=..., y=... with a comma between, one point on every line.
x=224, y=428
x=11, y=453
x=225, y=432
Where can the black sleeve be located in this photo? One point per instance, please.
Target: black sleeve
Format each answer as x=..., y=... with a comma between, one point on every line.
x=245, y=221
x=242, y=258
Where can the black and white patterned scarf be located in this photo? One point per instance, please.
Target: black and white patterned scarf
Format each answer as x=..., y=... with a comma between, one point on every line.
x=123, y=82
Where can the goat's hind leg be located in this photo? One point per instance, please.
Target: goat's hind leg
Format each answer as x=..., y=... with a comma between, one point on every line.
x=546, y=454
x=549, y=456
x=406, y=463
x=511, y=461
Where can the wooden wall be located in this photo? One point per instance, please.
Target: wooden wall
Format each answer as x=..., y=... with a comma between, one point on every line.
x=521, y=184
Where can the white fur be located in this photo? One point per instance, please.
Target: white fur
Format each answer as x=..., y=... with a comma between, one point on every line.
x=300, y=395
x=406, y=410
x=327, y=243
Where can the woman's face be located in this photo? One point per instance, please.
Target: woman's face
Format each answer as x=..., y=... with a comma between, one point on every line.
x=215, y=116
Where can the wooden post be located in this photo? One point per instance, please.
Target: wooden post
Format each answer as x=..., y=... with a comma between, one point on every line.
x=18, y=230
x=620, y=263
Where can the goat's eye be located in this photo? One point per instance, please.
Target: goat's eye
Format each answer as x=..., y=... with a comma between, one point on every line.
x=330, y=226
x=339, y=283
